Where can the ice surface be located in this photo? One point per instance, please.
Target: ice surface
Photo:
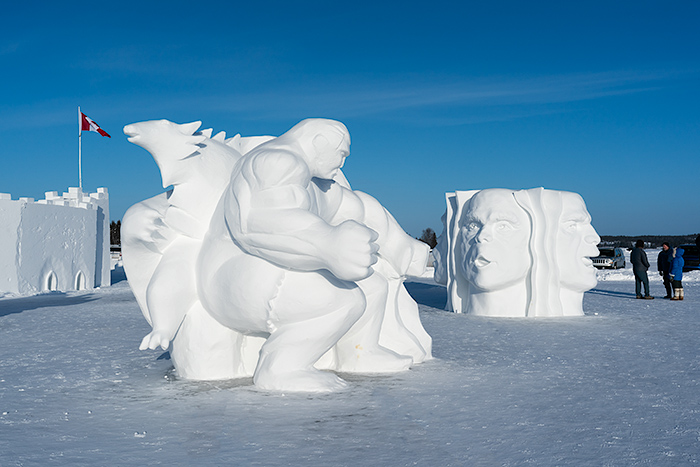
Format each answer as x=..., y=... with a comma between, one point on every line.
x=617, y=386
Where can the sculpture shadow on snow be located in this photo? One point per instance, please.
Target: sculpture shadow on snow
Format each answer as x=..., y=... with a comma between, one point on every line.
x=612, y=293
x=118, y=274
x=434, y=296
x=18, y=305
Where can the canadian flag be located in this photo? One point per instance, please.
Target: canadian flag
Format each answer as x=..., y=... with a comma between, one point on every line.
x=86, y=124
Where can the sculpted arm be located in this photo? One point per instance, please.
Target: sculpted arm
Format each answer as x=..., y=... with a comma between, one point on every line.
x=405, y=254
x=269, y=213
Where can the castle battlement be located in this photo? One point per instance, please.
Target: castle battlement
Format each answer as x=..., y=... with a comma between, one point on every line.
x=74, y=198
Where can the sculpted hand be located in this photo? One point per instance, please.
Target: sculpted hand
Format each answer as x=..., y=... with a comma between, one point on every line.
x=154, y=339
x=152, y=231
x=352, y=251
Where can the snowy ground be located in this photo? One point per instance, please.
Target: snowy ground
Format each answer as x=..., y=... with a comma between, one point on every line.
x=619, y=386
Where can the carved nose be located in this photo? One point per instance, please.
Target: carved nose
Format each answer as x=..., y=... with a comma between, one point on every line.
x=592, y=237
x=483, y=236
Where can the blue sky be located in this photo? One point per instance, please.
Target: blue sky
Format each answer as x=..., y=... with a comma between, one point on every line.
x=600, y=98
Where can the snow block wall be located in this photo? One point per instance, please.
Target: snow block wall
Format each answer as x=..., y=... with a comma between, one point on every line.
x=57, y=243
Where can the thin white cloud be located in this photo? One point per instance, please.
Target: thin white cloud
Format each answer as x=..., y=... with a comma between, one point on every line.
x=444, y=100
x=375, y=99
x=9, y=48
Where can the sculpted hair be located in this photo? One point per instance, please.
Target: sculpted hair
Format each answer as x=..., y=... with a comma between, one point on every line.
x=311, y=127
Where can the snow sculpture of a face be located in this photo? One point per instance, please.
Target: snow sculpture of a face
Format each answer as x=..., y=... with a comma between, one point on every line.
x=521, y=253
x=576, y=243
x=330, y=150
x=288, y=269
x=495, y=231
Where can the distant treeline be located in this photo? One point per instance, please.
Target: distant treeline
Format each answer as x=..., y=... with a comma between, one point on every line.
x=115, y=235
x=651, y=241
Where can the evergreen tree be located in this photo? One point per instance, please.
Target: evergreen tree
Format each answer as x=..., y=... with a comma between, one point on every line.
x=115, y=233
x=429, y=237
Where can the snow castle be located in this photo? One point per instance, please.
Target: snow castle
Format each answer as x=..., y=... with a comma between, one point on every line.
x=60, y=243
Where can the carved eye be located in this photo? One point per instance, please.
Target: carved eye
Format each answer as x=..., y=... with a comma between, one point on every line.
x=504, y=226
x=472, y=227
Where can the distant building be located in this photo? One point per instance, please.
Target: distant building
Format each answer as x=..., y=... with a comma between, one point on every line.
x=57, y=243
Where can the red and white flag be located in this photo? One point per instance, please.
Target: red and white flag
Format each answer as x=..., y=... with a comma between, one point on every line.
x=86, y=124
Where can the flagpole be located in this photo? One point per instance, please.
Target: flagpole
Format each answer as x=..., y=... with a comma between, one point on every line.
x=80, y=150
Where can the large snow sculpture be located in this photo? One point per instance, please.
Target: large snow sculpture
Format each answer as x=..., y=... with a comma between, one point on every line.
x=516, y=253
x=262, y=260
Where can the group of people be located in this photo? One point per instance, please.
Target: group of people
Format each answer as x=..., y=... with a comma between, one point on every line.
x=670, y=264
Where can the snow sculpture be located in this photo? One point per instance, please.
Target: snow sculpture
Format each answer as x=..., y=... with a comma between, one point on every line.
x=261, y=260
x=60, y=243
x=516, y=253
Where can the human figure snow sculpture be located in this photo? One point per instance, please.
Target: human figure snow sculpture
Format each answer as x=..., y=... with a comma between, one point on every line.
x=293, y=263
x=516, y=253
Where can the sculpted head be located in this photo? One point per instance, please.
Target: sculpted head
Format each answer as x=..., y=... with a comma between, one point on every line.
x=576, y=242
x=521, y=253
x=325, y=144
x=495, y=232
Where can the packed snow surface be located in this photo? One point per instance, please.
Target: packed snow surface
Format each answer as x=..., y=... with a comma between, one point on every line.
x=619, y=386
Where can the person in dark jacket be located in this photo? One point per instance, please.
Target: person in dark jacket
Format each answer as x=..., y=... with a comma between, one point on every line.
x=677, y=264
x=664, y=264
x=640, y=266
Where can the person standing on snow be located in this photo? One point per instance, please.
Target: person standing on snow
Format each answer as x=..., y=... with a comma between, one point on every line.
x=677, y=264
x=640, y=265
x=664, y=263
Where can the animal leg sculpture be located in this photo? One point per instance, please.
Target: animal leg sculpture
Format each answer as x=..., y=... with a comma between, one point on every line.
x=359, y=351
x=410, y=317
x=144, y=237
x=401, y=330
x=171, y=292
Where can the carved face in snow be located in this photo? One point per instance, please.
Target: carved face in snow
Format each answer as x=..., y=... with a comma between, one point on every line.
x=495, y=234
x=331, y=149
x=576, y=243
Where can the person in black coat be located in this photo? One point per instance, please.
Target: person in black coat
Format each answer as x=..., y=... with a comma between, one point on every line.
x=640, y=265
x=664, y=264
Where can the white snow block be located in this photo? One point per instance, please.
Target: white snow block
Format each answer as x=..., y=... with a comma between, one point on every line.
x=51, y=245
